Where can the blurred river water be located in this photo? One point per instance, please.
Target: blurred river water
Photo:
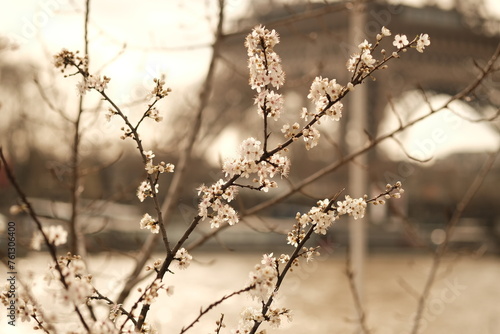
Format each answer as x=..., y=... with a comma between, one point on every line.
x=465, y=297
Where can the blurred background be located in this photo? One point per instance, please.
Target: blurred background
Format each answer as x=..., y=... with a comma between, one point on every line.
x=134, y=43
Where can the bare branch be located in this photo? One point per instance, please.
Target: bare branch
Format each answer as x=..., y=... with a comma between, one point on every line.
x=476, y=120
x=213, y=305
x=355, y=295
x=441, y=249
x=408, y=155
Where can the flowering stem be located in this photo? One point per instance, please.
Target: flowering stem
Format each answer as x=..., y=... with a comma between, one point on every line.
x=170, y=256
x=281, y=277
x=150, y=178
x=485, y=71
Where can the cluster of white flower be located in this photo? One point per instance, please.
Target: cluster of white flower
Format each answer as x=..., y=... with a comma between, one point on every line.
x=422, y=42
x=25, y=309
x=251, y=315
x=145, y=190
x=56, y=235
x=325, y=213
x=152, y=292
x=320, y=216
x=183, y=258
x=290, y=131
x=270, y=102
x=311, y=137
x=264, y=278
x=310, y=253
x=248, y=163
x=264, y=63
x=162, y=167
x=92, y=82
x=216, y=199
x=354, y=207
x=248, y=317
x=363, y=60
x=323, y=93
x=212, y=199
x=265, y=71
x=147, y=222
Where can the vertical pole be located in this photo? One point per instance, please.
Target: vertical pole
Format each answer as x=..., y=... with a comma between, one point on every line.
x=357, y=185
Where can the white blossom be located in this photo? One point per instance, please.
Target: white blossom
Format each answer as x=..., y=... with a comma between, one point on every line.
x=386, y=32
x=422, y=42
x=264, y=278
x=92, y=82
x=271, y=102
x=263, y=63
x=367, y=59
x=311, y=137
x=149, y=155
x=147, y=222
x=352, y=62
x=56, y=235
x=322, y=93
x=151, y=168
x=354, y=207
x=183, y=258
x=400, y=41
x=144, y=190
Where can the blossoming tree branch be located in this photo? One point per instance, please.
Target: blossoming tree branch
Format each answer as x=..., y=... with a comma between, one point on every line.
x=255, y=169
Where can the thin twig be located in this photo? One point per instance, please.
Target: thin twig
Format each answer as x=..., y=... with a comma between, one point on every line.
x=214, y=304
x=355, y=295
x=441, y=249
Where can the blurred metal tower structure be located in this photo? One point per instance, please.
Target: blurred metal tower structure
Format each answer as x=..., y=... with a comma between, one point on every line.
x=358, y=178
